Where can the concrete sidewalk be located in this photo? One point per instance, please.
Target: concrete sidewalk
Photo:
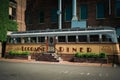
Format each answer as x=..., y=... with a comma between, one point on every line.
x=61, y=62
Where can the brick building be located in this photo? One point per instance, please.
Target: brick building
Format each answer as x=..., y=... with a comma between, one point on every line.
x=45, y=14
x=17, y=12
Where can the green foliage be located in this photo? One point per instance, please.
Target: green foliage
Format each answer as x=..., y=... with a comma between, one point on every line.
x=12, y=25
x=5, y=23
x=90, y=55
x=4, y=18
x=102, y=55
x=19, y=53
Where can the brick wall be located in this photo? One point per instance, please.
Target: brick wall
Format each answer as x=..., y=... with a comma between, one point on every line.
x=47, y=5
x=20, y=13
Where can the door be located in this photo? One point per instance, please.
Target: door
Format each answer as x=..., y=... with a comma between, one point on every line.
x=51, y=44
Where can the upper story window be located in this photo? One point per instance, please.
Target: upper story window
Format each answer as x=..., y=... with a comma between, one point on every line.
x=117, y=8
x=83, y=11
x=54, y=15
x=28, y=18
x=41, y=16
x=100, y=10
x=12, y=10
x=68, y=13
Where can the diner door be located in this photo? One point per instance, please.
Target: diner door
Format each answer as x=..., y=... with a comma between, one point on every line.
x=51, y=44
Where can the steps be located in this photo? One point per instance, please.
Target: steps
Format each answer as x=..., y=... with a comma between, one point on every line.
x=52, y=57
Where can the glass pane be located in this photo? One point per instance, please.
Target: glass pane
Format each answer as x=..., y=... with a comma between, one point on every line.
x=94, y=38
x=100, y=10
x=71, y=38
x=28, y=18
x=61, y=38
x=54, y=15
x=33, y=40
x=41, y=16
x=68, y=14
x=118, y=8
x=41, y=39
x=106, y=38
x=82, y=38
x=18, y=40
x=84, y=11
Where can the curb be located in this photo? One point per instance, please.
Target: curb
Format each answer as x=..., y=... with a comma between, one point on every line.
x=61, y=62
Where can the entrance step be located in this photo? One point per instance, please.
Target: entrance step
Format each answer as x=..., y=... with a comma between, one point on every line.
x=52, y=57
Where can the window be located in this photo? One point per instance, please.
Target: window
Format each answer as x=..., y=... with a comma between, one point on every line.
x=94, y=38
x=12, y=13
x=28, y=18
x=18, y=40
x=41, y=39
x=14, y=40
x=82, y=38
x=68, y=14
x=100, y=10
x=41, y=16
x=61, y=38
x=33, y=39
x=10, y=40
x=54, y=15
x=106, y=38
x=83, y=11
x=117, y=8
x=71, y=38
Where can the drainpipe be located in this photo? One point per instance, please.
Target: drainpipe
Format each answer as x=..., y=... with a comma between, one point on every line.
x=59, y=12
x=109, y=7
x=74, y=12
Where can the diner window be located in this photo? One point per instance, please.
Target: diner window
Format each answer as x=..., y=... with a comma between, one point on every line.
x=83, y=11
x=94, y=38
x=71, y=38
x=41, y=16
x=68, y=14
x=106, y=38
x=117, y=8
x=100, y=10
x=33, y=39
x=10, y=40
x=61, y=38
x=26, y=40
x=17, y=40
x=82, y=38
x=54, y=15
x=41, y=39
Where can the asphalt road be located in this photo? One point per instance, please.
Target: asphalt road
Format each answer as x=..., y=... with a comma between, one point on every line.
x=39, y=71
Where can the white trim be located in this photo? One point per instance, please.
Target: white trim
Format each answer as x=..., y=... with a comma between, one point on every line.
x=63, y=33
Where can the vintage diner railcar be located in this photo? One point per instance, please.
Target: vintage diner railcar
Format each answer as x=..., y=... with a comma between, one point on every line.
x=65, y=42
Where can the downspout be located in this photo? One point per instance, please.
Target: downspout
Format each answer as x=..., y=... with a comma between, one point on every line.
x=74, y=12
x=59, y=12
x=109, y=7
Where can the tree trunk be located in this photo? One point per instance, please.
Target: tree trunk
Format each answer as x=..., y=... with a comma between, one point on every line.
x=3, y=48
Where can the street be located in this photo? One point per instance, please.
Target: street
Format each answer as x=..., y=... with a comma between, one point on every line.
x=39, y=71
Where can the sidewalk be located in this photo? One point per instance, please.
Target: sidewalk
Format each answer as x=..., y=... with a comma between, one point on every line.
x=61, y=62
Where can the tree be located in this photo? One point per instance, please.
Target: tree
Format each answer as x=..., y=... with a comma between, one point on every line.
x=5, y=23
